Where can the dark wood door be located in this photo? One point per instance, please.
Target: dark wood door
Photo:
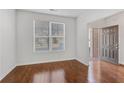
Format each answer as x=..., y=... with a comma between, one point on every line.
x=109, y=47
x=95, y=42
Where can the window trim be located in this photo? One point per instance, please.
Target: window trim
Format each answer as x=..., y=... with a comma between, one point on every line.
x=50, y=37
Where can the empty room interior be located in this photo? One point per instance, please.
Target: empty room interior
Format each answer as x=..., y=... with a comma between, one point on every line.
x=61, y=46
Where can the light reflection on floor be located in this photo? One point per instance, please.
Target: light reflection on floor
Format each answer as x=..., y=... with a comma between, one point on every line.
x=90, y=73
x=50, y=77
x=94, y=71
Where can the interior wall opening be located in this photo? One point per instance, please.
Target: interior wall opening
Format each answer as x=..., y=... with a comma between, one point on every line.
x=103, y=43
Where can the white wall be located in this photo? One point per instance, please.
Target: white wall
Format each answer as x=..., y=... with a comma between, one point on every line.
x=82, y=32
x=7, y=41
x=25, y=53
x=19, y=44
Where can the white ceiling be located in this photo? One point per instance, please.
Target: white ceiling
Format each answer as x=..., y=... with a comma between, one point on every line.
x=73, y=12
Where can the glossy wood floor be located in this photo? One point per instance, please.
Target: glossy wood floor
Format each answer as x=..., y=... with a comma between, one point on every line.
x=105, y=72
x=58, y=72
x=67, y=72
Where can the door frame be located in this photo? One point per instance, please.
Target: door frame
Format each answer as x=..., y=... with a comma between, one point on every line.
x=90, y=30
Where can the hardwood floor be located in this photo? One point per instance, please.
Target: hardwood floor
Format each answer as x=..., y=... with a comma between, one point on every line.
x=58, y=72
x=67, y=72
x=105, y=72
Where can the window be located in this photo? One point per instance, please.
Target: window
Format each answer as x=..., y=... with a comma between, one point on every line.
x=49, y=36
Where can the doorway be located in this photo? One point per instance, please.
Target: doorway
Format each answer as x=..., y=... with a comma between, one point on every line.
x=104, y=43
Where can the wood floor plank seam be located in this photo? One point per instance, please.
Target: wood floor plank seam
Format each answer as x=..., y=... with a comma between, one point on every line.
x=69, y=71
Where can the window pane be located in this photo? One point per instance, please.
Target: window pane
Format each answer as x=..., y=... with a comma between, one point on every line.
x=103, y=52
x=57, y=29
x=41, y=28
x=42, y=44
x=113, y=55
x=57, y=43
x=109, y=53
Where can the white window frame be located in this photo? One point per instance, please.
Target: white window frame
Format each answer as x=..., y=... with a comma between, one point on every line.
x=50, y=37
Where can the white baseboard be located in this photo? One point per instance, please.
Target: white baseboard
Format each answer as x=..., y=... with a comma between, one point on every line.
x=84, y=62
x=48, y=61
x=7, y=72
